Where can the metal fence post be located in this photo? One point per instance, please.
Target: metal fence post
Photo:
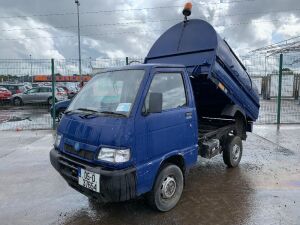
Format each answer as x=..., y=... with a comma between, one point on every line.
x=53, y=93
x=279, y=90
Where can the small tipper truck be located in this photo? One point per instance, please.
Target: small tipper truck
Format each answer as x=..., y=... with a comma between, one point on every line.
x=137, y=130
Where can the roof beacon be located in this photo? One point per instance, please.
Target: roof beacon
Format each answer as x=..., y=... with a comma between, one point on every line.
x=187, y=10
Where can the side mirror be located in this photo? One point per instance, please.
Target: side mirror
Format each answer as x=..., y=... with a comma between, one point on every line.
x=155, y=102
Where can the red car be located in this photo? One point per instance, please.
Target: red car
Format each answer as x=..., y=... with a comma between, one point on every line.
x=69, y=91
x=5, y=95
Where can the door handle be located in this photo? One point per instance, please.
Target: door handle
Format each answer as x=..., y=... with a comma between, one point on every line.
x=188, y=115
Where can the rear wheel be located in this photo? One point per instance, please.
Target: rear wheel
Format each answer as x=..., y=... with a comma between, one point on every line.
x=18, y=101
x=240, y=127
x=232, y=153
x=167, y=189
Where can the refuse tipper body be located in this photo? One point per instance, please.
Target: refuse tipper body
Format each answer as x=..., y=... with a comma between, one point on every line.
x=137, y=130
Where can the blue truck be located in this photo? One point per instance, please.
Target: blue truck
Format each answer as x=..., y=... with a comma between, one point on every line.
x=138, y=130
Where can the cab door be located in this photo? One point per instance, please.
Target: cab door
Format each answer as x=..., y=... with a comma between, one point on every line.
x=30, y=95
x=174, y=128
x=44, y=93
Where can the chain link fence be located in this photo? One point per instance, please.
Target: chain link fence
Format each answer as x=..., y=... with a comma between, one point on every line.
x=28, y=97
x=265, y=73
x=26, y=88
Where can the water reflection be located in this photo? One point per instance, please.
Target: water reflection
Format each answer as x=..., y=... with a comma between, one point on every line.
x=213, y=195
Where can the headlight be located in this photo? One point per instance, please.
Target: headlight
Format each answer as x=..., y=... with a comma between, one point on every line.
x=57, y=140
x=114, y=155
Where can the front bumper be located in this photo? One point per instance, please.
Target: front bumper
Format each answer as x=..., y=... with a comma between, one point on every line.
x=115, y=185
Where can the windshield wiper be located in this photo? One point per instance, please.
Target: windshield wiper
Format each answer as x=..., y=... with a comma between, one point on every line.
x=87, y=110
x=81, y=109
x=113, y=113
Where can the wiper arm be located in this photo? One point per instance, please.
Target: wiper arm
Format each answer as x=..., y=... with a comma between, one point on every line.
x=81, y=109
x=87, y=110
x=113, y=113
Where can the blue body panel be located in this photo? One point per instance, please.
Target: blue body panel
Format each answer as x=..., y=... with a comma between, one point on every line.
x=152, y=138
x=197, y=46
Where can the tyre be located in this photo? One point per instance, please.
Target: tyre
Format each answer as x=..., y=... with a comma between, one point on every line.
x=50, y=101
x=240, y=127
x=60, y=114
x=17, y=101
x=167, y=189
x=232, y=153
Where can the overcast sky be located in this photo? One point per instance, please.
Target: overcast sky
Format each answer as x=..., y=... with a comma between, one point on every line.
x=119, y=28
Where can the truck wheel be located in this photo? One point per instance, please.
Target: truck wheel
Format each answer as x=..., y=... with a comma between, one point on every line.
x=167, y=189
x=240, y=127
x=232, y=153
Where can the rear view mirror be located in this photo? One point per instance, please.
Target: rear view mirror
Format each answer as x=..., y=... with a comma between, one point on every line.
x=155, y=102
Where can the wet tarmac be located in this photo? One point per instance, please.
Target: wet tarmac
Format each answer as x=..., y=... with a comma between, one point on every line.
x=25, y=117
x=264, y=189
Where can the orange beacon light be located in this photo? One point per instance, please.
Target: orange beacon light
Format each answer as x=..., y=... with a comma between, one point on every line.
x=187, y=10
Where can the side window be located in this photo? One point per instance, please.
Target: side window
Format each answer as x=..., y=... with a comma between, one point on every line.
x=33, y=90
x=172, y=88
x=44, y=89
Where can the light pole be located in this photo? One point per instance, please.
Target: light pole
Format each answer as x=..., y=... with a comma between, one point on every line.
x=78, y=27
x=31, y=69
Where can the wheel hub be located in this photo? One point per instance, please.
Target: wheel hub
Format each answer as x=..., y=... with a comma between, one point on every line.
x=168, y=187
x=236, y=150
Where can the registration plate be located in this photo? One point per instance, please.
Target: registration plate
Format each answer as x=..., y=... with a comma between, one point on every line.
x=89, y=179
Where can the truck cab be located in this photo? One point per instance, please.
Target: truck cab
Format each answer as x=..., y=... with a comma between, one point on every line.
x=124, y=125
x=137, y=130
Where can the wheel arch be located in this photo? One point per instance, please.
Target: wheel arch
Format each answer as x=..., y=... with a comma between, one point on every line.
x=177, y=160
x=232, y=110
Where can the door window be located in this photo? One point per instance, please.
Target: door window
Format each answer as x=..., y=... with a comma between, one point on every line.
x=33, y=90
x=172, y=88
x=45, y=89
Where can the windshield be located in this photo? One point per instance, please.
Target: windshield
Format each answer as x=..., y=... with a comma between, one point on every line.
x=109, y=92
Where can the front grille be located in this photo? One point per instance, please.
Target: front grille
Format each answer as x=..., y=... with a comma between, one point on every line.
x=81, y=153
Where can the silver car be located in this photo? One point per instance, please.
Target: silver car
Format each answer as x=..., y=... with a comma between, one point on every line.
x=39, y=95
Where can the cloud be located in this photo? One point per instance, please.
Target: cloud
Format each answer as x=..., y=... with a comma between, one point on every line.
x=292, y=28
x=245, y=26
x=18, y=42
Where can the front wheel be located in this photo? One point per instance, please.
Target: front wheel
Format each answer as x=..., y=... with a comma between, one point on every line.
x=167, y=189
x=17, y=101
x=232, y=153
x=50, y=101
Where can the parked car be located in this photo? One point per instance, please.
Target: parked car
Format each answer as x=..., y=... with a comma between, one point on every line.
x=71, y=92
x=15, y=88
x=60, y=108
x=5, y=95
x=34, y=85
x=39, y=95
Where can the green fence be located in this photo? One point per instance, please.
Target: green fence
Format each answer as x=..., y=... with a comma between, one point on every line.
x=31, y=109
x=278, y=85
x=264, y=71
